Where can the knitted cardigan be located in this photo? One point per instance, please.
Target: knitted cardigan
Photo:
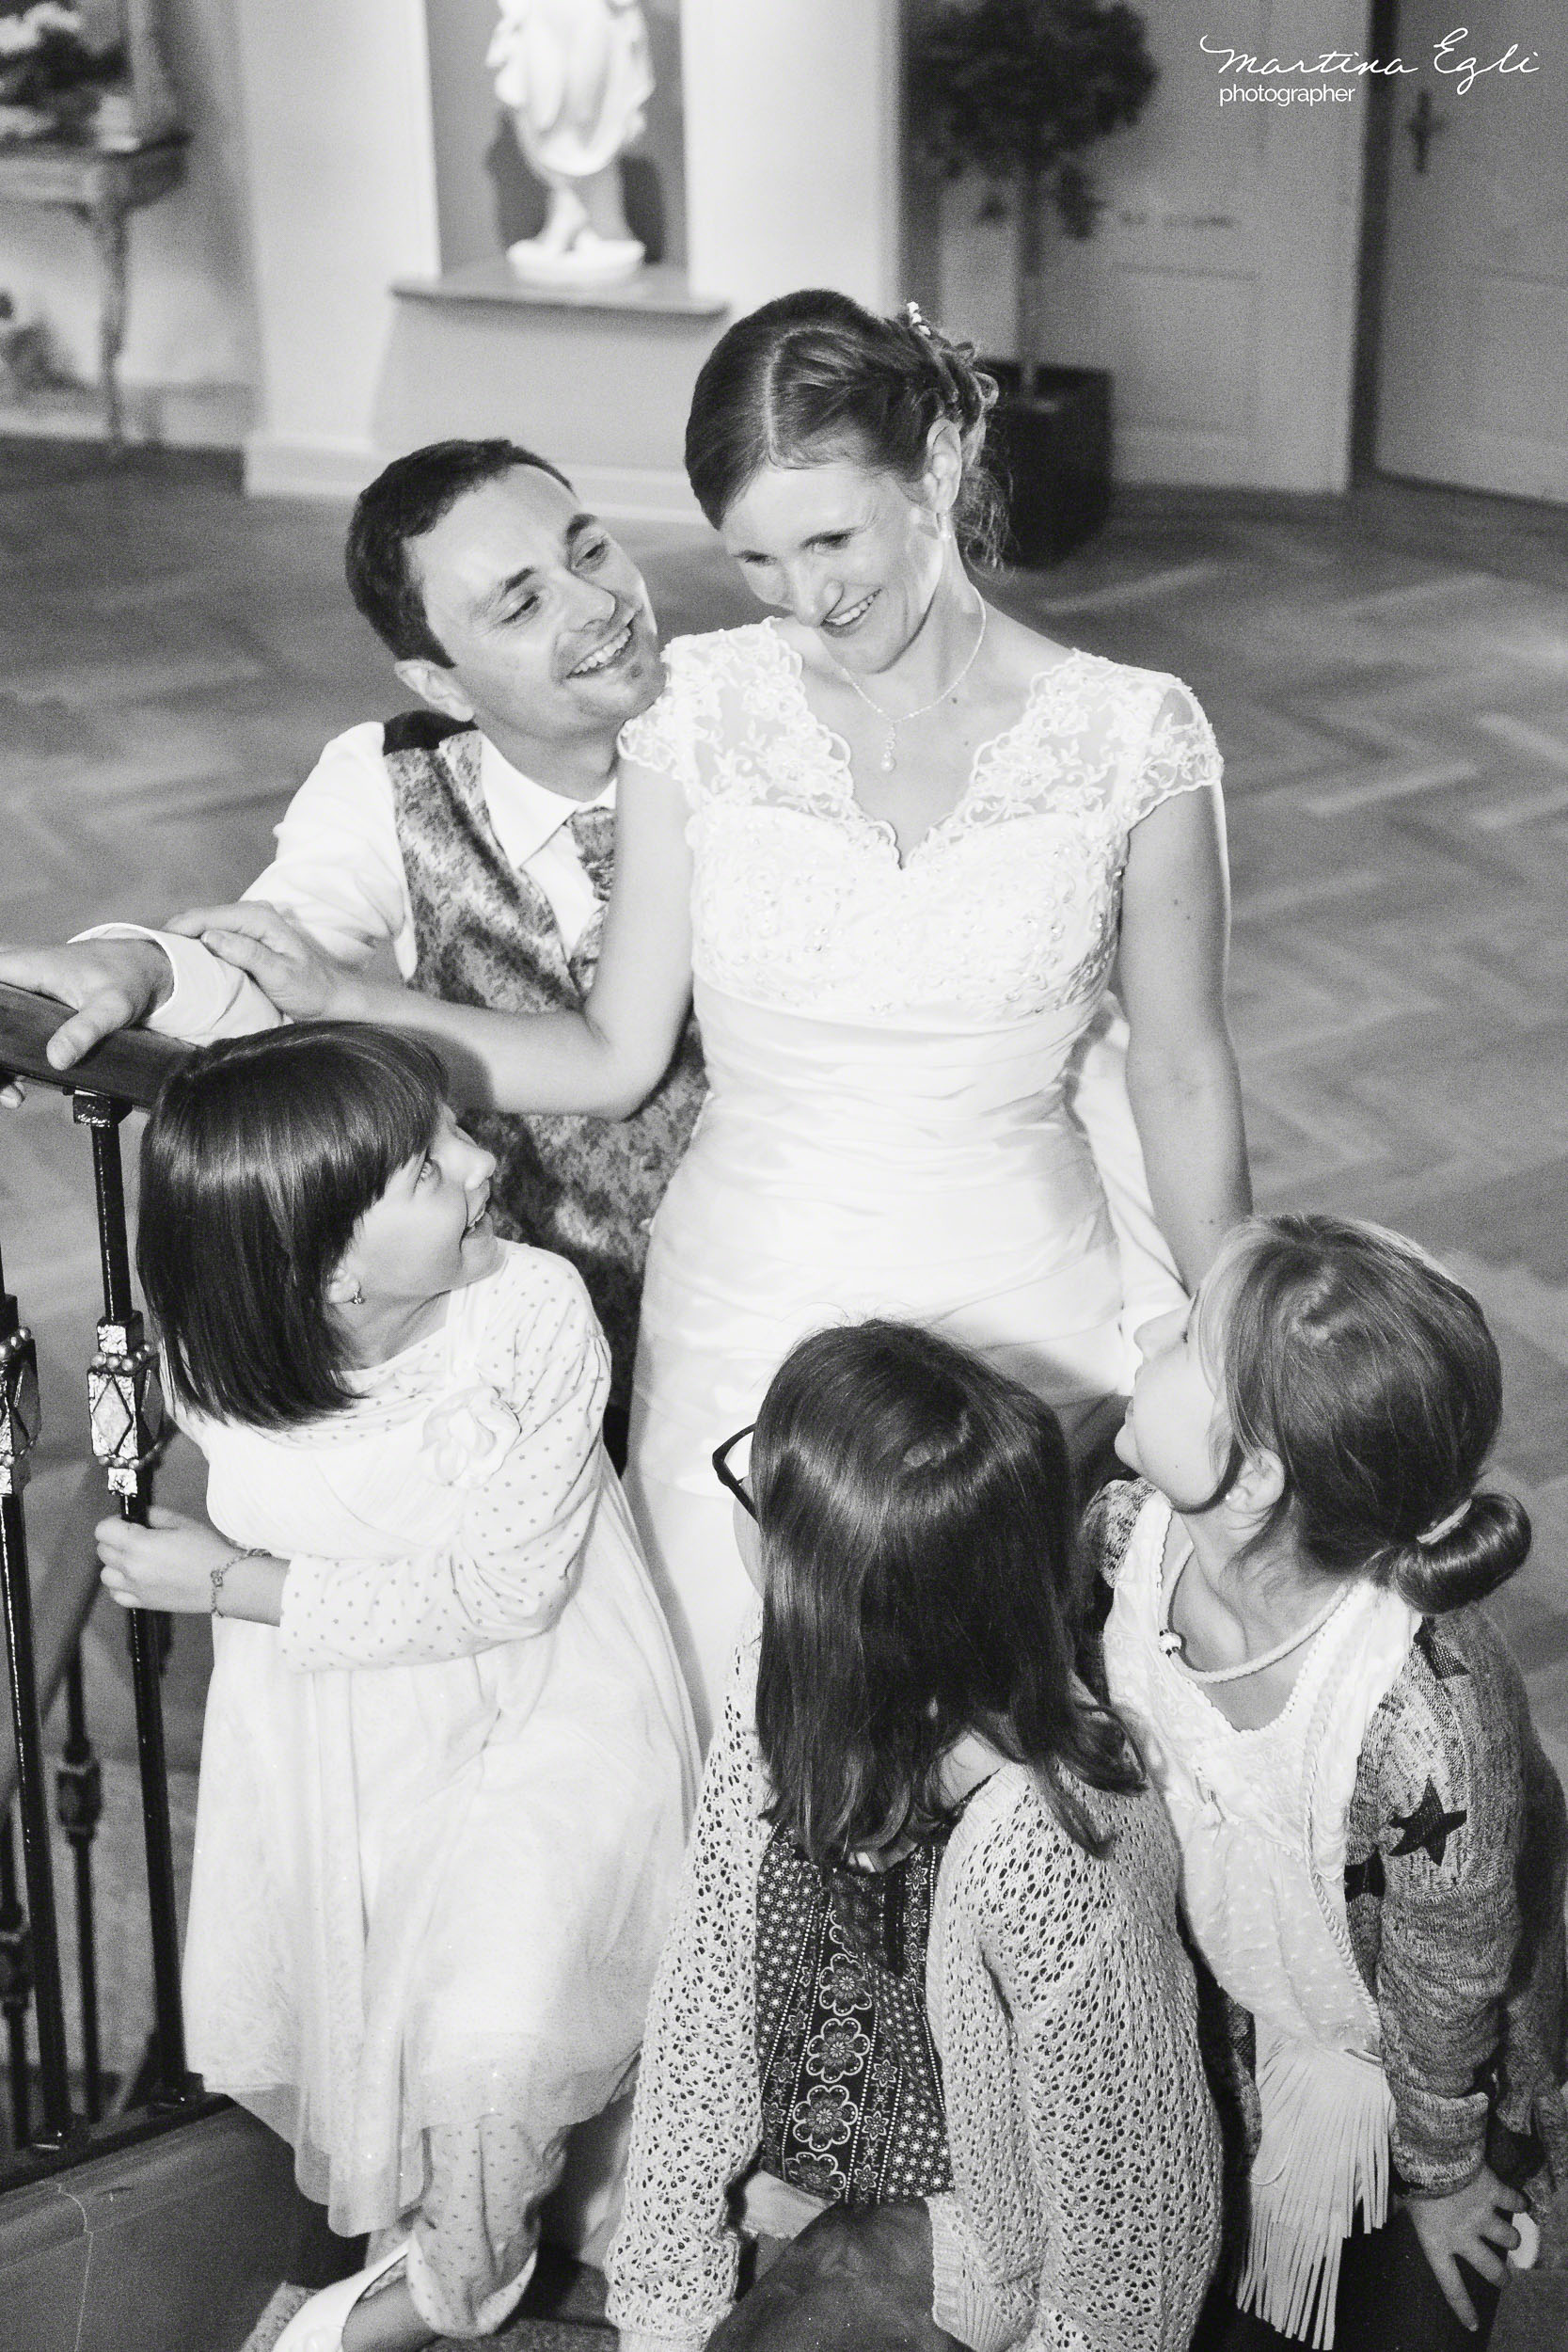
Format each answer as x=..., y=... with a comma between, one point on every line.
x=1456, y=1855
x=1085, y=2148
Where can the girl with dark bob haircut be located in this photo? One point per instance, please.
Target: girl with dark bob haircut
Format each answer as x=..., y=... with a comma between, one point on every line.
x=933, y=1841
x=447, y=1760
x=1373, y=1843
x=263, y=1157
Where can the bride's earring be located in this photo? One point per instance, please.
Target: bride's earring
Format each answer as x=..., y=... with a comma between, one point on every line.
x=356, y=1297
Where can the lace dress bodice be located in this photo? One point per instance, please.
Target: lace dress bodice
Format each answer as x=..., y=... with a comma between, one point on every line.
x=1008, y=907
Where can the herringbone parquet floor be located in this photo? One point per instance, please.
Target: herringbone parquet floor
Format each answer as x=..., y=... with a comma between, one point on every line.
x=1388, y=678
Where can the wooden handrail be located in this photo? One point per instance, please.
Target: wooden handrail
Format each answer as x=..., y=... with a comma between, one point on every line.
x=130, y=1065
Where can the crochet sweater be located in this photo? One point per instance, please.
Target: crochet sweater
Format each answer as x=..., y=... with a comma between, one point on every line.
x=1084, y=2212
x=1456, y=1851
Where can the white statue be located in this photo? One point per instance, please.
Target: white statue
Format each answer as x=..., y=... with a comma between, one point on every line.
x=576, y=77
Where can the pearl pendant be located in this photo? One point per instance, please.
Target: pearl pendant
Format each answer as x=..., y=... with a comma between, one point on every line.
x=886, y=763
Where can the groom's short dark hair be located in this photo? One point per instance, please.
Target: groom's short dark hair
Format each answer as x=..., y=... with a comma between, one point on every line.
x=407, y=498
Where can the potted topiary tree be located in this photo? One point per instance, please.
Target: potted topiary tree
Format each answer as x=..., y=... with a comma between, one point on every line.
x=1019, y=91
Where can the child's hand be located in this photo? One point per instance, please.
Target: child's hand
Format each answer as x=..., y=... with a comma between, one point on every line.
x=1476, y=2223
x=166, y=1565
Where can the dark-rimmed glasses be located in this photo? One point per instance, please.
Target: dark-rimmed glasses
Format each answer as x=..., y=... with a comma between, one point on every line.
x=732, y=1463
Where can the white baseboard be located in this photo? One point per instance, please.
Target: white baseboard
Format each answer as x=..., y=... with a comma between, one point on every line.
x=163, y=415
x=285, y=465
x=1214, y=461
x=635, y=494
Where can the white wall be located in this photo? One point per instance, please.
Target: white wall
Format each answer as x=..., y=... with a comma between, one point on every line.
x=1221, y=286
x=189, y=365
x=792, y=147
x=342, y=203
x=791, y=110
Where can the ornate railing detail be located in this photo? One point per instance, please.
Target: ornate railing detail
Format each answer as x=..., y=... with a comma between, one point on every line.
x=16, y=1984
x=126, y=1418
x=19, y=1406
x=78, y=1807
x=16, y=1607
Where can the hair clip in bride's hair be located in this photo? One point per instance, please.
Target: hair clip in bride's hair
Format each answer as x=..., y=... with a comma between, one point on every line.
x=914, y=316
x=1430, y=1535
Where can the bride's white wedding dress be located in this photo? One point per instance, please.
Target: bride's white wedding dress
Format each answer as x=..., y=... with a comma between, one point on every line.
x=888, y=1042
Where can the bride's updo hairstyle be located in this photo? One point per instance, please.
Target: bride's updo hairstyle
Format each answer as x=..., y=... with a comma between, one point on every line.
x=812, y=377
x=1369, y=1374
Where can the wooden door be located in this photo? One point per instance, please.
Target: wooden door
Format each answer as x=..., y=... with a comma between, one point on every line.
x=1473, y=350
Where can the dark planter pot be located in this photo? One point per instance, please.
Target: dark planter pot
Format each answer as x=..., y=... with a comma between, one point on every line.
x=1051, y=447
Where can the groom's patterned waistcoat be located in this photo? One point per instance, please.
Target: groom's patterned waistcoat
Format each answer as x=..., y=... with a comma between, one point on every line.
x=485, y=935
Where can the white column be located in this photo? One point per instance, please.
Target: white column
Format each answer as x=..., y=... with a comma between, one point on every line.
x=337, y=105
x=792, y=148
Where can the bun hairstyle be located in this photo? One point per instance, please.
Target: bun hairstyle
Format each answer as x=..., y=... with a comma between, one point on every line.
x=1349, y=1354
x=812, y=376
x=921, y=1579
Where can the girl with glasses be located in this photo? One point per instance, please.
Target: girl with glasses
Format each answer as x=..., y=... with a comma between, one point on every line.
x=924, y=1993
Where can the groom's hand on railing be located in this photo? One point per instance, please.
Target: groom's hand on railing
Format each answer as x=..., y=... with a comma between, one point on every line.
x=284, y=962
x=110, y=983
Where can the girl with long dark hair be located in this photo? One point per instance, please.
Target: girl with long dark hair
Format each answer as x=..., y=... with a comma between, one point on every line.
x=925, y=1980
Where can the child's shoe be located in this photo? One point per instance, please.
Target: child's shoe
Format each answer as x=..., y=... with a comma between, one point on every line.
x=318, y=2326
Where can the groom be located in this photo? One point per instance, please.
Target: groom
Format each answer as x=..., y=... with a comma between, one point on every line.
x=474, y=836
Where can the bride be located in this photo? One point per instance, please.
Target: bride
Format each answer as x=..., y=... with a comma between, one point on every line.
x=896, y=841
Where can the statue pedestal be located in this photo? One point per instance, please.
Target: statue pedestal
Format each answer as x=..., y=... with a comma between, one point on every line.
x=597, y=378
x=599, y=262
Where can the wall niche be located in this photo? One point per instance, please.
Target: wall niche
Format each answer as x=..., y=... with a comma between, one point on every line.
x=486, y=197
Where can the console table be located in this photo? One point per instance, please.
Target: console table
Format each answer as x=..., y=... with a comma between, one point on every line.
x=102, y=186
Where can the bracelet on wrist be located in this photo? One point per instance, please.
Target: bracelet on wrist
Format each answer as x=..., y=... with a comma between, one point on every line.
x=215, y=1576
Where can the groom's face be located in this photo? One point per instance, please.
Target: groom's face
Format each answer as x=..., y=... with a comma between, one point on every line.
x=546, y=618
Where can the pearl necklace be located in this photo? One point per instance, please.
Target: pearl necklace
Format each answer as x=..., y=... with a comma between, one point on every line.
x=1173, y=1645
x=888, y=761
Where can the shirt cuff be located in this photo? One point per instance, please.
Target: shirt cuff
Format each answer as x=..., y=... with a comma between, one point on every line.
x=959, y=2302
x=638, y=2340
x=206, y=991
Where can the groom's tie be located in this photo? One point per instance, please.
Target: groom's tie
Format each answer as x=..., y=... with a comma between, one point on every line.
x=593, y=832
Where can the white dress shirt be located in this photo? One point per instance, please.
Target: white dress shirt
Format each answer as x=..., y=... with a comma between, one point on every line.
x=339, y=872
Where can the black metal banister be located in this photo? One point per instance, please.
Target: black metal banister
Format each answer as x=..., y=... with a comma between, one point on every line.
x=123, y=1403
x=18, y=1383
x=122, y=1073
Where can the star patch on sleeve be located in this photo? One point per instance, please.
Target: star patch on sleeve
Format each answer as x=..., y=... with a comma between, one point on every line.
x=1429, y=1828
